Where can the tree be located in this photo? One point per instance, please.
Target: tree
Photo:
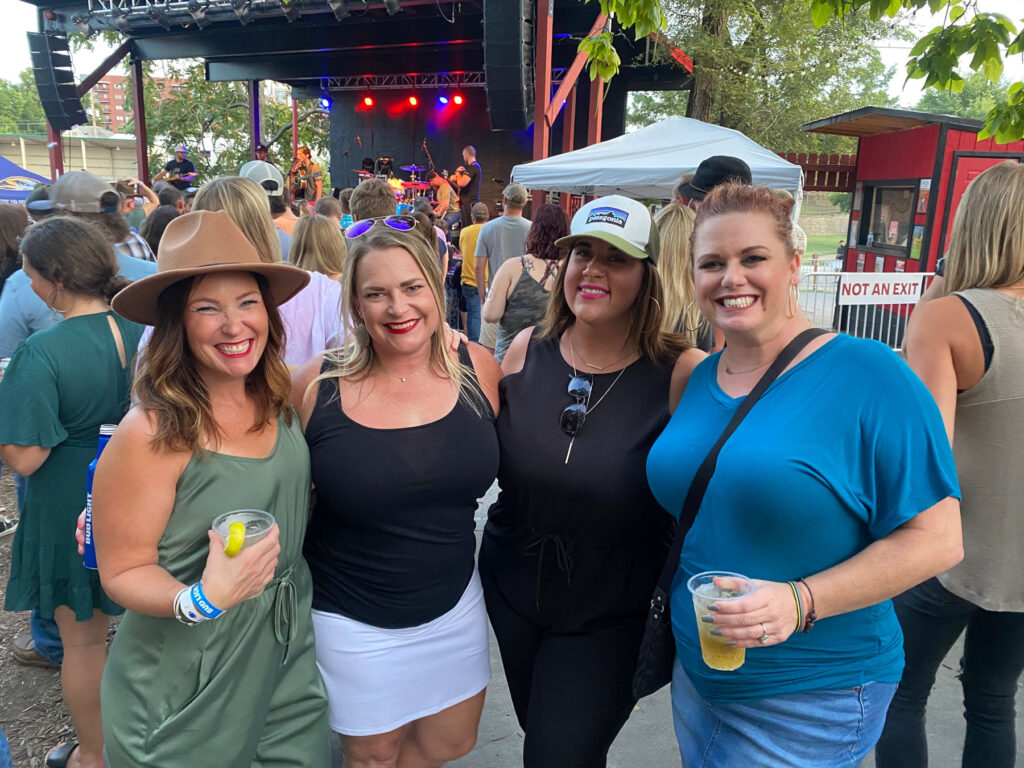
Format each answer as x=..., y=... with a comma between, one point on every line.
x=765, y=69
x=20, y=109
x=936, y=58
x=978, y=97
x=212, y=120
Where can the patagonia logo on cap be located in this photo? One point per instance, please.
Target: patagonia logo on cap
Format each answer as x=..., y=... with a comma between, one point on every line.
x=608, y=215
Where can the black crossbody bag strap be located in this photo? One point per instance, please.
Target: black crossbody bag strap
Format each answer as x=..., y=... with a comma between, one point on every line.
x=695, y=495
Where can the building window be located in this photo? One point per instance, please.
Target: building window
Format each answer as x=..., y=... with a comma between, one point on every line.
x=889, y=212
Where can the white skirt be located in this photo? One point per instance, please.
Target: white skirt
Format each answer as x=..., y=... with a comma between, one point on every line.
x=380, y=679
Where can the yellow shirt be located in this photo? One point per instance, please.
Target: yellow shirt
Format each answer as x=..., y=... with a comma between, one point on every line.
x=467, y=244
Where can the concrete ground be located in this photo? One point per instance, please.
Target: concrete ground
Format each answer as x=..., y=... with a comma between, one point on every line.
x=647, y=740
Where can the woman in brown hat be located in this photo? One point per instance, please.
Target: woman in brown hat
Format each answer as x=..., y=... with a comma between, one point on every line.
x=215, y=655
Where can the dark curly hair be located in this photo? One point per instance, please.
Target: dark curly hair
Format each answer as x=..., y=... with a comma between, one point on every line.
x=550, y=222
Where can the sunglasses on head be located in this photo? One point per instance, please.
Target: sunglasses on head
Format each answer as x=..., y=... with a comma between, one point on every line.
x=572, y=418
x=397, y=222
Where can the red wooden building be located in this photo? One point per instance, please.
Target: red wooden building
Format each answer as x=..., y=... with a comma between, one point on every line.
x=911, y=170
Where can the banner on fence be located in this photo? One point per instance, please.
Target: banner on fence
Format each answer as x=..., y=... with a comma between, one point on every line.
x=886, y=288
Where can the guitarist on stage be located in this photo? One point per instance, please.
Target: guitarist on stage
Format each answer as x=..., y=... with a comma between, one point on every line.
x=178, y=172
x=467, y=180
x=305, y=180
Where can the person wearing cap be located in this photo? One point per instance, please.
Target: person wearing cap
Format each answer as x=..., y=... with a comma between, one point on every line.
x=574, y=544
x=447, y=206
x=500, y=239
x=261, y=152
x=270, y=179
x=179, y=172
x=815, y=504
x=62, y=383
x=712, y=172
x=216, y=650
x=86, y=196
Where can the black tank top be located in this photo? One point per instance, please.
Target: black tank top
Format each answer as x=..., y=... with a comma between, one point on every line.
x=578, y=545
x=391, y=539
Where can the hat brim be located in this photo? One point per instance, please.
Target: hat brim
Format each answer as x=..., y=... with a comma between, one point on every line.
x=690, y=191
x=138, y=301
x=605, y=237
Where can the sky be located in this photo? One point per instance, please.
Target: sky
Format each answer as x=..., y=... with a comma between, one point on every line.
x=20, y=18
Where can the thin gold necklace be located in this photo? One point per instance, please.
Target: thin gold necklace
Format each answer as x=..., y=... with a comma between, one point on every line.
x=731, y=372
x=572, y=351
x=403, y=379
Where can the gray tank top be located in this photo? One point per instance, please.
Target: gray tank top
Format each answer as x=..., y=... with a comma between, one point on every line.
x=987, y=444
x=525, y=307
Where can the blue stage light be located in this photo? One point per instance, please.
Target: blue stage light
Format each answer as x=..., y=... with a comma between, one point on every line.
x=325, y=102
x=442, y=101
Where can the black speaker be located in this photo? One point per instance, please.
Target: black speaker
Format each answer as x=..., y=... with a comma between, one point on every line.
x=51, y=65
x=508, y=62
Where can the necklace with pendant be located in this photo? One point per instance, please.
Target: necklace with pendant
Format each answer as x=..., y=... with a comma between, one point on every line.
x=590, y=409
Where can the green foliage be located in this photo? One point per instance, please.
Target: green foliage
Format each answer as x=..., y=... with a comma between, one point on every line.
x=976, y=99
x=212, y=120
x=842, y=200
x=20, y=110
x=937, y=58
x=767, y=70
x=643, y=17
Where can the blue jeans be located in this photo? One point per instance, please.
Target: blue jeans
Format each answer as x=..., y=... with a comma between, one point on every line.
x=5, y=752
x=46, y=638
x=811, y=729
x=932, y=619
x=472, y=297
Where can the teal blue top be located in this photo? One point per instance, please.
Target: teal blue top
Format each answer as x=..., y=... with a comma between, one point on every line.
x=842, y=449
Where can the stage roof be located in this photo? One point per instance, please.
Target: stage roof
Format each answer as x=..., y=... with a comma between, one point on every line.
x=372, y=39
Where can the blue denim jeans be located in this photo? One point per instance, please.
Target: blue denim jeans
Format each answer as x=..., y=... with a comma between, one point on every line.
x=819, y=729
x=5, y=752
x=932, y=619
x=46, y=638
x=472, y=297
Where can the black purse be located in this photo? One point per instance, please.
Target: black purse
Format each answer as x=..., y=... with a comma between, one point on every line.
x=658, y=646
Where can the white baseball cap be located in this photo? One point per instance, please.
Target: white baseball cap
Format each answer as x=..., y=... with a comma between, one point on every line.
x=618, y=221
x=261, y=172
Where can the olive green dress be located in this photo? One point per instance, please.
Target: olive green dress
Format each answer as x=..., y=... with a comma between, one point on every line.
x=241, y=690
x=60, y=386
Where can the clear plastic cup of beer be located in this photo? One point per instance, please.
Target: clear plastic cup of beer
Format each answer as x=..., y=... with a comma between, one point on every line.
x=717, y=587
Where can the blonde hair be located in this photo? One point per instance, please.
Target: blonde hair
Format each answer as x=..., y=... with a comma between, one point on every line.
x=986, y=247
x=356, y=358
x=318, y=246
x=245, y=202
x=680, y=313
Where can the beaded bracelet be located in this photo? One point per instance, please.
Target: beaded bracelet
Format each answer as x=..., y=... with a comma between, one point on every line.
x=812, y=615
x=799, y=605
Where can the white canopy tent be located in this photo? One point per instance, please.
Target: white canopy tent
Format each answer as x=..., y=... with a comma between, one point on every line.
x=647, y=163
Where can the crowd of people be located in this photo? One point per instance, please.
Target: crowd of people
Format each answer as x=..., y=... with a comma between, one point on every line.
x=364, y=376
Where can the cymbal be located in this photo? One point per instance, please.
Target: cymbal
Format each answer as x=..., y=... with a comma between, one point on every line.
x=411, y=168
x=415, y=185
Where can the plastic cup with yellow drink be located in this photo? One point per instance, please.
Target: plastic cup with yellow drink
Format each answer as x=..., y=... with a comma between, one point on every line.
x=242, y=528
x=717, y=587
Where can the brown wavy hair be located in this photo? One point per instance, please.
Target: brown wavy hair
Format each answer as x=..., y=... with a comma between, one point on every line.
x=645, y=330
x=13, y=223
x=168, y=384
x=75, y=256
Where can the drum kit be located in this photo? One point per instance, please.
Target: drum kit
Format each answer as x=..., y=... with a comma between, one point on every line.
x=405, y=190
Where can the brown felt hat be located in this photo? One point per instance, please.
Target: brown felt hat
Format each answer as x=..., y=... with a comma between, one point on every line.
x=199, y=243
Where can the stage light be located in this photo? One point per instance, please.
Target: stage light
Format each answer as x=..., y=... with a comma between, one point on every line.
x=442, y=101
x=242, y=9
x=458, y=99
x=392, y=6
x=339, y=8
x=325, y=102
x=82, y=22
x=198, y=11
x=367, y=101
x=120, y=17
x=160, y=17
x=413, y=101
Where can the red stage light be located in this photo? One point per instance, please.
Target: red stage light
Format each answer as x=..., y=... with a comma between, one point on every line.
x=413, y=101
x=367, y=101
x=457, y=99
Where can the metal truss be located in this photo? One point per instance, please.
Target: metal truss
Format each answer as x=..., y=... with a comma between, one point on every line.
x=407, y=82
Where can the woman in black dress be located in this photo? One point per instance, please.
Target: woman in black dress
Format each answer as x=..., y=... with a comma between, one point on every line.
x=574, y=544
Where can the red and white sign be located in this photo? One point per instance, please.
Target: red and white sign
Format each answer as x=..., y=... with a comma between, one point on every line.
x=885, y=288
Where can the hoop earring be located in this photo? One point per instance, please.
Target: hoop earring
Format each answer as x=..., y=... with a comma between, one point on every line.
x=656, y=302
x=50, y=303
x=793, y=305
x=686, y=315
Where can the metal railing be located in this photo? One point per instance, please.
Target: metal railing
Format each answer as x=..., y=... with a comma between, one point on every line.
x=819, y=301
